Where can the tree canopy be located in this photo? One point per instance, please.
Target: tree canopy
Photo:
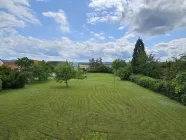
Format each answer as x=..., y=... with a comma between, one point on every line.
x=118, y=63
x=42, y=70
x=64, y=72
x=139, y=57
x=24, y=63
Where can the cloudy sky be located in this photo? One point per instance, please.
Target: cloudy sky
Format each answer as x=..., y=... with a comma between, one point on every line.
x=78, y=30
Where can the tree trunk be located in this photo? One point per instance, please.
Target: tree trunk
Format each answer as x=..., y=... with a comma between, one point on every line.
x=66, y=83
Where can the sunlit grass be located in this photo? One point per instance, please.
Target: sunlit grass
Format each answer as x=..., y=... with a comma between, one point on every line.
x=94, y=108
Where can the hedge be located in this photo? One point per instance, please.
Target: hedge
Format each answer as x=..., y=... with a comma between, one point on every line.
x=0, y=84
x=100, y=69
x=158, y=85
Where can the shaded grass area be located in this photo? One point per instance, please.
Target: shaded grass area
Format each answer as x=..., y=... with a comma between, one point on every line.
x=92, y=107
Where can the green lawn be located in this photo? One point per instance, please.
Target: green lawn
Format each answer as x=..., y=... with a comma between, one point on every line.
x=96, y=105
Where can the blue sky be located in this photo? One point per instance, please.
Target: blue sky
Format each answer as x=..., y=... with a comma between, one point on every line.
x=79, y=30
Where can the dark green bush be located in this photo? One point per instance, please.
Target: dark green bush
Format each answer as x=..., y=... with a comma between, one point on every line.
x=134, y=78
x=18, y=79
x=124, y=73
x=183, y=99
x=0, y=84
x=165, y=87
x=160, y=86
x=100, y=69
x=12, y=78
x=150, y=83
x=5, y=76
x=170, y=90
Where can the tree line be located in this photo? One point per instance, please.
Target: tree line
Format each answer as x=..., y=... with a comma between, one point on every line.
x=168, y=78
x=29, y=71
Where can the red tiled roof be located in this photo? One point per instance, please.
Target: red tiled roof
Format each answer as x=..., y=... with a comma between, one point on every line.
x=11, y=65
x=36, y=61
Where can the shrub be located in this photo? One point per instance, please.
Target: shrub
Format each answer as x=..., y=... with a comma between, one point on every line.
x=18, y=79
x=100, y=69
x=134, y=78
x=170, y=90
x=183, y=99
x=124, y=73
x=153, y=84
x=12, y=78
x=0, y=84
x=167, y=88
x=5, y=74
x=160, y=86
x=180, y=83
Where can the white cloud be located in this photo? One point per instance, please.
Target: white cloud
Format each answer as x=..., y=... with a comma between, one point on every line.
x=129, y=35
x=20, y=9
x=15, y=14
x=42, y=0
x=61, y=18
x=105, y=4
x=171, y=49
x=99, y=35
x=150, y=17
x=16, y=45
x=167, y=35
x=9, y=20
x=101, y=11
x=62, y=49
x=121, y=28
x=111, y=37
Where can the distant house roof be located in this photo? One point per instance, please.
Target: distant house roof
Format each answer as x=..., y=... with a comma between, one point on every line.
x=84, y=66
x=36, y=61
x=11, y=65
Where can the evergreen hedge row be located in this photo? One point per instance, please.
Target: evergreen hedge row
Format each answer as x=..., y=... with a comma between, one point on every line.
x=160, y=86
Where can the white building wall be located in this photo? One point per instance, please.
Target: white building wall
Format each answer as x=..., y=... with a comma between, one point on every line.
x=1, y=62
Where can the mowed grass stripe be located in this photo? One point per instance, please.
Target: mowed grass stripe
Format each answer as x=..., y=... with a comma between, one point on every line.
x=121, y=110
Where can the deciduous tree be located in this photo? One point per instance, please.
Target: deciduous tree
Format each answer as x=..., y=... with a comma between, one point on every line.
x=64, y=72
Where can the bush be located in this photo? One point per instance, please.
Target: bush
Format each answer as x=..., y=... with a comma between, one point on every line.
x=153, y=84
x=183, y=99
x=165, y=87
x=5, y=74
x=18, y=79
x=170, y=90
x=100, y=69
x=0, y=84
x=160, y=86
x=134, y=78
x=12, y=78
x=124, y=73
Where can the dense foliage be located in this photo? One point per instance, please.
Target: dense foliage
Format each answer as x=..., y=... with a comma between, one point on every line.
x=12, y=78
x=180, y=86
x=79, y=73
x=168, y=78
x=0, y=84
x=174, y=90
x=97, y=66
x=26, y=66
x=125, y=72
x=139, y=57
x=26, y=72
x=42, y=70
x=118, y=63
x=64, y=72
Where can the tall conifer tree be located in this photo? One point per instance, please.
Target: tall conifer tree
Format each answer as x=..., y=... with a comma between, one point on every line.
x=139, y=57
